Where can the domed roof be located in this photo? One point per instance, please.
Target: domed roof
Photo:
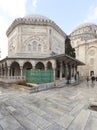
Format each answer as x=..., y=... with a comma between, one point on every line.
x=34, y=20
x=85, y=31
x=37, y=17
x=84, y=25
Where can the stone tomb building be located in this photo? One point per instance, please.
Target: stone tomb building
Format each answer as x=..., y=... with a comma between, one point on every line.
x=84, y=40
x=36, y=42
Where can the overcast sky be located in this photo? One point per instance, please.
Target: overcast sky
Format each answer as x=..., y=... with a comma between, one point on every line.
x=68, y=14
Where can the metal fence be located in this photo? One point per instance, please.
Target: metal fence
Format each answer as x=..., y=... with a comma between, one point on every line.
x=39, y=76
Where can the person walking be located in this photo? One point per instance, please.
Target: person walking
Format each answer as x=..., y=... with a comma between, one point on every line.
x=93, y=78
x=96, y=78
x=87, y=78
x=68, y=79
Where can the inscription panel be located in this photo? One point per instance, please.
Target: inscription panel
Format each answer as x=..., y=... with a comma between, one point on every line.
x=34, y=29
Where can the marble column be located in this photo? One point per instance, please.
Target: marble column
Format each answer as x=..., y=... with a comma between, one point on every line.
x=61, y=65
x=66, y=72
x=21, y=71
x=45, y=67
x=75, y=72
x=8, y=71
x=54, y=72
x=5, y=71
x=33, y=67
x=1, y=72
x=11, y=72
x=70, y=71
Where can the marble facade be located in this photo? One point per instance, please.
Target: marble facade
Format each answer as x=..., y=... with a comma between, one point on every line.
x=84, y=40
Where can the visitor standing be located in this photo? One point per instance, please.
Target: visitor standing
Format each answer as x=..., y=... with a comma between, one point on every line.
x=87, y=78
x=93, y=78
x=96, y=78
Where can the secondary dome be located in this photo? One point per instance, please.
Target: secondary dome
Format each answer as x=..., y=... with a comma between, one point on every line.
x=85, y=31
x=86, y=27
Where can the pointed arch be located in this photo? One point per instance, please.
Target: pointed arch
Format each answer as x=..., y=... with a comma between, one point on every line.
x=49, y=65
x=40, y=66
x=26, y=66
x=15, y=69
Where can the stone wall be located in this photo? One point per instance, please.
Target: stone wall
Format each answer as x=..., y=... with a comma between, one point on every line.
x=35, y=41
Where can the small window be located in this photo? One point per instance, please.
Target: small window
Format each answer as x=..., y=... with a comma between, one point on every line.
x=39, y=47
x=92, y=61
x=29, y=47
x=34, y=46
x=50, y=31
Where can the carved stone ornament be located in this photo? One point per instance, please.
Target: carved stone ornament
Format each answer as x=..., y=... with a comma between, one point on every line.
x=34, y=44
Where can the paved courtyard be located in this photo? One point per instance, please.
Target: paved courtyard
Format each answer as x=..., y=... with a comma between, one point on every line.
x=56, y=109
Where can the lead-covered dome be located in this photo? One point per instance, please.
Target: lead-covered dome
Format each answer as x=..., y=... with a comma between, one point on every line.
x=34, y=20
x=37, y=17
x=85, y=31
x=84, y=25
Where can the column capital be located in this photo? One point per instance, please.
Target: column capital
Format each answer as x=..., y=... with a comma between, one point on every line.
x=21, y=67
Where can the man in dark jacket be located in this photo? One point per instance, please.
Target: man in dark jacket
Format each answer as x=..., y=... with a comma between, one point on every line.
x=93, y=78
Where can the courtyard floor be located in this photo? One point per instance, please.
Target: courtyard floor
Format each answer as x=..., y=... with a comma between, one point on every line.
x=64, y=108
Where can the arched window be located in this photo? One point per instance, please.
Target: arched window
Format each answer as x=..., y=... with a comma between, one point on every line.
x=29, y=47
x=49, y=65
x=39, y=47
x=92, y=61
x=34, y=46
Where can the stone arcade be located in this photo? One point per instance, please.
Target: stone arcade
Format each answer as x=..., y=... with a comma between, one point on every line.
x=36, y=42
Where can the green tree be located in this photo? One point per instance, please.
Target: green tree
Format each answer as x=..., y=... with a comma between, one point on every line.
x=68, y=48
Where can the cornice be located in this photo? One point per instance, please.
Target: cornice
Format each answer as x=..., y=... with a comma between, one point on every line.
x=31, y=21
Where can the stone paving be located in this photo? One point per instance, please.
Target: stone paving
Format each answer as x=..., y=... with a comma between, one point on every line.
x=56, y=109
